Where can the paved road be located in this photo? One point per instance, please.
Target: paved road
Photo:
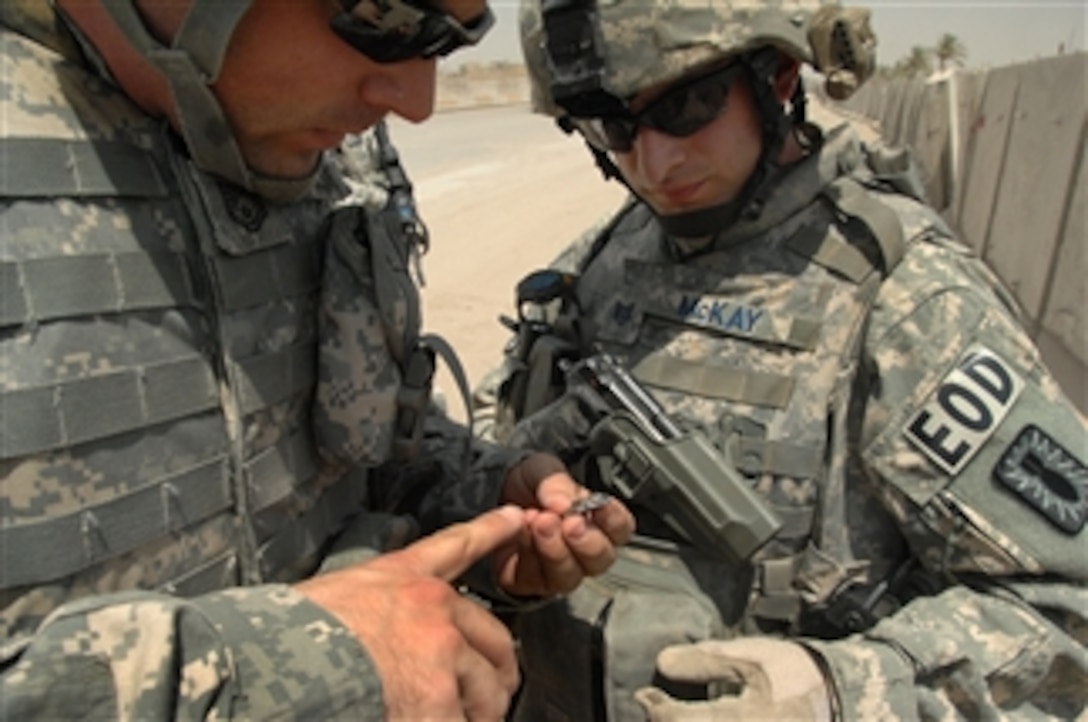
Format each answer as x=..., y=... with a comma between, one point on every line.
x=503, y=191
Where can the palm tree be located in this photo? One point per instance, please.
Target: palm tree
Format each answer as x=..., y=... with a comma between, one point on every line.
x=915, y=64
x=950, y=49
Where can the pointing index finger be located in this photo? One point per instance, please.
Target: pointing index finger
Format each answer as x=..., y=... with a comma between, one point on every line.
x=448, y=553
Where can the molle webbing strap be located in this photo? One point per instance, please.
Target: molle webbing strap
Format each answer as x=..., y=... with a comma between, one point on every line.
x=44, y=289
x=749, y=387
x=796, y=520
x=778, y=599
x=804, y=332
x=268, y=379
x=855, y=201
x=832, y=252
x=303, y=537
x=288, y=271
x=272, y=474
x=67, y=413
x=66, y=544
x=51, y=167
x=220, y=573
x=757, y=456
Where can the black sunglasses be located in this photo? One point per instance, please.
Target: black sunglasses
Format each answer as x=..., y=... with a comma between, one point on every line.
x=388, y=31
x=679, y=112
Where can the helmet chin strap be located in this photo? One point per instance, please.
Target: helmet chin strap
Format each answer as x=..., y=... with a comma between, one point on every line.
x=190, y=66
x=761, y=68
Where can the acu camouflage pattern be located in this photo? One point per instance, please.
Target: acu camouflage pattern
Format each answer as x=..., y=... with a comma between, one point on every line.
x=653, y=44
x=158, y=366
x=786, y=343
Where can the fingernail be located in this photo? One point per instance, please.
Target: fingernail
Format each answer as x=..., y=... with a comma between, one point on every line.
x=512, y=512
x=577, y=530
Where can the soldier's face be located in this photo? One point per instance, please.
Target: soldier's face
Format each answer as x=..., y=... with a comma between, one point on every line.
x=707, y=168
x=291, y=88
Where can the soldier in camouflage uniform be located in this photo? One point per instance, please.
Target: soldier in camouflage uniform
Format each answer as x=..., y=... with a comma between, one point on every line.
x=783, y=290
x=212, y=379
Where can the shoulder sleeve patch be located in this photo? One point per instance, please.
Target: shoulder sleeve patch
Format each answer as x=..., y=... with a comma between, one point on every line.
x=1047, y=477
x=965, y=409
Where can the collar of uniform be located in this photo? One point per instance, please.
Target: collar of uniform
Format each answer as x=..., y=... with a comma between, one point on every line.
x=682, y=248
x=836, y=152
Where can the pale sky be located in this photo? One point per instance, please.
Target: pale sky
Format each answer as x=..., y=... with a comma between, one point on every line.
x=996, y=32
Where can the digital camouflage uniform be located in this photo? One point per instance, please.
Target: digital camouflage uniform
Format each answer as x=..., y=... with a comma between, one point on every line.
x=875, y=415
x=166, y=472
x=867, y=375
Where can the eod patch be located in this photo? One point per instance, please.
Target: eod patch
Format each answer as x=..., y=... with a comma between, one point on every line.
x=965, y=409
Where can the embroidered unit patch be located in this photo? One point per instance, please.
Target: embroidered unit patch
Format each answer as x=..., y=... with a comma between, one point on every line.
x=1044, y=474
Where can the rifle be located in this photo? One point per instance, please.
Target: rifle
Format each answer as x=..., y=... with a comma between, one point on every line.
x=645, y=458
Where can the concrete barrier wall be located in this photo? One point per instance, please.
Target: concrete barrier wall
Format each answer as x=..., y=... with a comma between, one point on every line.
x=1003, y=155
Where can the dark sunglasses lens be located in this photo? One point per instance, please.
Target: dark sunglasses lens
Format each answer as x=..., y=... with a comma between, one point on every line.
x=372, y=42
x=688, y=110
x=679, y=112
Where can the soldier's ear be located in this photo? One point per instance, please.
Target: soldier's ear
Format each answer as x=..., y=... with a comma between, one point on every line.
x=786, y=77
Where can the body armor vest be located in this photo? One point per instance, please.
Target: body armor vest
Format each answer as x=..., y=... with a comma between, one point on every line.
x=158, y=359
x=756, y=345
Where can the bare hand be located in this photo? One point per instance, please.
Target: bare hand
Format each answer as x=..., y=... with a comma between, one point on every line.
x=560, y=550
x=439, y=655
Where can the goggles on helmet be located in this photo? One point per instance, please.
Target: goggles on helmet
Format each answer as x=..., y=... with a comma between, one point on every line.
x=681, y=111
x=389, y=31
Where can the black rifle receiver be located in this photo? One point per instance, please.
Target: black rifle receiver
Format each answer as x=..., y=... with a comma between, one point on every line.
x=680, y=476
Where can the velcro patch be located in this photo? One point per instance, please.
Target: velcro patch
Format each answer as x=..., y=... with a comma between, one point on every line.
x=1046, y=476
x=965, y=409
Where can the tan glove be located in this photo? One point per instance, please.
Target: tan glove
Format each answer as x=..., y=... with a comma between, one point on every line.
x=773, y=679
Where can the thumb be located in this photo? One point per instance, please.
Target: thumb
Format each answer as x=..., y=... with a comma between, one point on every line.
x=447, y=554
x=660, y=707
x=711, y=661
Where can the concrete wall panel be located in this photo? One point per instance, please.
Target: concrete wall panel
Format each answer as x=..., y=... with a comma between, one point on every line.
x=890, y=119
x=909, y=105
x=1070, y=372
x=969, y=88
x=986, y=155
x=931, y=141
x=1039, y=167
x=1065, y=316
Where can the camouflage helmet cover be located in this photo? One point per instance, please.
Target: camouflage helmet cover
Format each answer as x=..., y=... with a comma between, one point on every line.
x=649, y=43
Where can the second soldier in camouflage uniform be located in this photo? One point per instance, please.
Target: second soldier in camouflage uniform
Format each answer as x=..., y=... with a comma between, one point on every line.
x=783, y=290
x=174, y=297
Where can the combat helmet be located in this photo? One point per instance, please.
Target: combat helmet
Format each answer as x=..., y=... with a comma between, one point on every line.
x=589, y=58
x=384, y=30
